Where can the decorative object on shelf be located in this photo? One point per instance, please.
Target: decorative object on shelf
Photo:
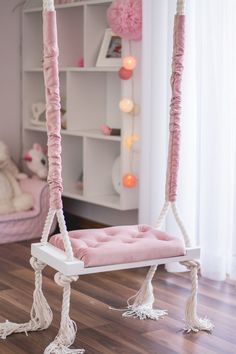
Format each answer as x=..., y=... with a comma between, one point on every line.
x=12, y=198
x=106, y=130
x=125, y=74
x=36, y=161
x=126, y=105
x=125, y=18
x=129, y=180
x=38, y=114
x=80, y=62
x=110, y=51
x=116, y=175
x=80, y=182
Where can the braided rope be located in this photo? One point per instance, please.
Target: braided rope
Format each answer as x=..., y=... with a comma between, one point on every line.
x=40, y=314
x=67, y=332
x=192, y=321
x=181, y=225
x=65, y=235
x=48, y=5
x=180, y=9
x=47, y=226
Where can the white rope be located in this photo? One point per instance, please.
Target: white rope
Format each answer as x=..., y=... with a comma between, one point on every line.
x=48, y=5
x=41, y=314
x=67, y=332
x=47, y=226
x=181, y=225
x=65, y=235
x=180, y=7
x=192, y=322
x=163, y=214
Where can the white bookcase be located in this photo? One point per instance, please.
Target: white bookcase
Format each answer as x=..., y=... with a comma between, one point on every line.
x=90, y=96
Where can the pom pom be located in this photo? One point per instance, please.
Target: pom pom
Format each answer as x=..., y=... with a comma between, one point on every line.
x=105, y=129
x=125, y=74
x=129, y=62
x=125, y=18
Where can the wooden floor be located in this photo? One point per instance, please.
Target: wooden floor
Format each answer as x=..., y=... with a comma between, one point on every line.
x=104, y=331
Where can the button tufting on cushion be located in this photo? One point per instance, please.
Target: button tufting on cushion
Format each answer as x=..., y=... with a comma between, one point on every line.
x=121, y=244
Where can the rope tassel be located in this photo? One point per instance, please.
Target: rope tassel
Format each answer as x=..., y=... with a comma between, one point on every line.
x=41, y=314
x=67, y=332
x=192, y=322
x=142, y=306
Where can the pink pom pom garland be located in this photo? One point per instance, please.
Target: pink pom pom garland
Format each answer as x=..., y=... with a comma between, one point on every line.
x=125, y=18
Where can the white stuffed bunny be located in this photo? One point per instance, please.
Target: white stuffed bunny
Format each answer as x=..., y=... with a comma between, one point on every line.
x=36, y=161
x=12, y=198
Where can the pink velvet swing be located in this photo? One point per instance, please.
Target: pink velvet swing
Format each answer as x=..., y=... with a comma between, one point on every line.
x=122, y=247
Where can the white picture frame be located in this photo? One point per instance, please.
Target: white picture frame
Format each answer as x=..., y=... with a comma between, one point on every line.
x=110, y=53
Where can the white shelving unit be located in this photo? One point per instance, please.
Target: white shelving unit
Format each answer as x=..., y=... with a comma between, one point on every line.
x=90, y=96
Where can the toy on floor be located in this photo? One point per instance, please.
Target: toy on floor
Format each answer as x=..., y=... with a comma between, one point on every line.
x=36, y=161
x=12, y=198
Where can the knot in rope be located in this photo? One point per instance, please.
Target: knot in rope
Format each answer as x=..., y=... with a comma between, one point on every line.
x=36, y=264
x=63, y=280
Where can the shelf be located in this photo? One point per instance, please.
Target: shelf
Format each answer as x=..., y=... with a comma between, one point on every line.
x=68, y=6
x=96, y=134
x=76, y=69
x=110, y=201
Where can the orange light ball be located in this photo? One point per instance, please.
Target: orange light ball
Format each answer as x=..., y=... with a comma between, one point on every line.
x=129, y=180
x=129, y=63
x=125, y=74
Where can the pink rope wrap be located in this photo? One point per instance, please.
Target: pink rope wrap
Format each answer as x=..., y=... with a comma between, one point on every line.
x=175, y=109
x=53, y=116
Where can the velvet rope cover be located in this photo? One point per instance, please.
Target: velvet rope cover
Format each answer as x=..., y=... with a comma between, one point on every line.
x=53, y=115
x=175, y=109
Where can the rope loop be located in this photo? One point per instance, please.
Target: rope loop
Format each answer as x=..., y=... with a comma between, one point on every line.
x=64, y=280
x=36, y=264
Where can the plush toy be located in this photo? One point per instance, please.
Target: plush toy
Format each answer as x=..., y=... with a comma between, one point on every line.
x=12, y=198
x=36, y=161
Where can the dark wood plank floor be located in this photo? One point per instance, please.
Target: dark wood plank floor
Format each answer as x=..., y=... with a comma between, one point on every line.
x=105, y=331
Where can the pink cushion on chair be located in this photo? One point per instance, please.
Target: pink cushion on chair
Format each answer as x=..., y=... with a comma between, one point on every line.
x=121, y=244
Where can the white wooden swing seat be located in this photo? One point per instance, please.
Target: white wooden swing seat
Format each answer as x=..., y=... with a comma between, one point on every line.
x=56, y=258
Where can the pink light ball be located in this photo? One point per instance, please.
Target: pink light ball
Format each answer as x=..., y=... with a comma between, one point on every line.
x=125, y=74
x=125, y=18
x=129, y=62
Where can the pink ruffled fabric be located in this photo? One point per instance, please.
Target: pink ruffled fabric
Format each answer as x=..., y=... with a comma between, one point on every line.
x=53, y=116
x=175, y=109
x=125, y=18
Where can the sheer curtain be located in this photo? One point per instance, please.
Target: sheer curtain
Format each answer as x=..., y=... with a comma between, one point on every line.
x=207, y=178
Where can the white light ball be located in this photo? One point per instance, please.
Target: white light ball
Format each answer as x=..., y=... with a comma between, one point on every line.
x=126, y=105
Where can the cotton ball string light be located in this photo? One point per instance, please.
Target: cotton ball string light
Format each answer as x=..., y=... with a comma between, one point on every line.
x=125, y=18
x=129, y=180
x=125, y=74
x=126, y=105
x=129, y=62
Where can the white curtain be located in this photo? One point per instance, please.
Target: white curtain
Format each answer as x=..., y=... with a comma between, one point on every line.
x=207, y=176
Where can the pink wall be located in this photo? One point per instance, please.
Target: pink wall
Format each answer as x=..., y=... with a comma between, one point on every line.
x=10, y=69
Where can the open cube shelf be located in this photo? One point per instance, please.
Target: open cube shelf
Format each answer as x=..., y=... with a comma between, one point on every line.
x=90, y=96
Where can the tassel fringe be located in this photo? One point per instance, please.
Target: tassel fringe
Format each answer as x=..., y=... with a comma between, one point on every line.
x=142, y=306
x=67, y=332
x=192, y=322
x=41, y=314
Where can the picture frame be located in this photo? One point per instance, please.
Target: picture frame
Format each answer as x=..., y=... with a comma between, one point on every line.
x=110, y=53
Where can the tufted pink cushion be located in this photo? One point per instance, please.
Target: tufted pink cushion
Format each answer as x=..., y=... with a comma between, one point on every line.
x=121, y=244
